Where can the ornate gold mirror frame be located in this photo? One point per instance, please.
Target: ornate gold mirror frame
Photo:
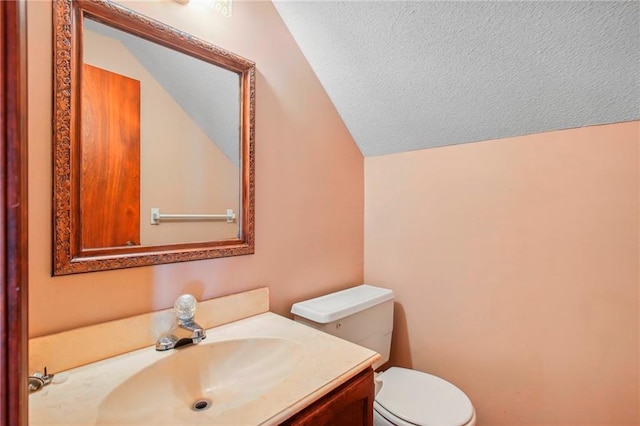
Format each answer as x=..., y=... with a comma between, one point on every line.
x=69, y=256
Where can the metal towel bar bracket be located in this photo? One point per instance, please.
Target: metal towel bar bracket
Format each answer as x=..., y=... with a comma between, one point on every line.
x=156, y=216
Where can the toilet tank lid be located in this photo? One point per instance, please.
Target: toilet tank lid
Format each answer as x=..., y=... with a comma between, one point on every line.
x=334, y=306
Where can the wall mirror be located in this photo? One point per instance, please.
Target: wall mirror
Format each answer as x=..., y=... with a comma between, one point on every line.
x=153, y=142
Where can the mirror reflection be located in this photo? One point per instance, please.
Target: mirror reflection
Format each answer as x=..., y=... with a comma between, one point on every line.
x=153, y=144
x=160, y=134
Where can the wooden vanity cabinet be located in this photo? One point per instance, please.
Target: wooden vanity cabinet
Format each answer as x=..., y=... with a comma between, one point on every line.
x=351, y=404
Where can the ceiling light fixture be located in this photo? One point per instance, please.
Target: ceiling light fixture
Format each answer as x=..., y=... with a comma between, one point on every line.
x=225, y=7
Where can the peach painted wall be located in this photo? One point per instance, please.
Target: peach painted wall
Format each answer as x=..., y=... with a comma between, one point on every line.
x=515, y=268
x=309, y=184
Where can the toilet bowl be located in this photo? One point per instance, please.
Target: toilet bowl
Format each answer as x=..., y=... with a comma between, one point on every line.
x=409, y=397
x=405, y=397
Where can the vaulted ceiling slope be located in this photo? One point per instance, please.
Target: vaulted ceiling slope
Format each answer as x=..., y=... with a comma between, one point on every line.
x=408, y=75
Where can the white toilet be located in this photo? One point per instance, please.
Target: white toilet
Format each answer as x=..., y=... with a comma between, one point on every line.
x=364, y=315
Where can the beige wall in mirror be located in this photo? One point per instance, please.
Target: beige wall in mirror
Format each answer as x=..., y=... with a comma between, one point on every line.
x=183, y=170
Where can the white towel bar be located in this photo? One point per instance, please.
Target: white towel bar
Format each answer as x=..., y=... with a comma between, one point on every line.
x=156, y=216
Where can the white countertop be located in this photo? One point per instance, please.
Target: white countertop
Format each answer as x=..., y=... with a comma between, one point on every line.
x=323, y=363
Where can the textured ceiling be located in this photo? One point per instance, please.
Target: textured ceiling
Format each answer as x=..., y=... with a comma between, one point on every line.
x=410, y=75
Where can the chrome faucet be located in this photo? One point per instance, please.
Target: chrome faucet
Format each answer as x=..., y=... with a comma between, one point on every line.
x=187, y=330
x=39, y=380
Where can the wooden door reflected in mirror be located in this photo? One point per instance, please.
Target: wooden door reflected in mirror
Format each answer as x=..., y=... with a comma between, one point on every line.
x=110, y=159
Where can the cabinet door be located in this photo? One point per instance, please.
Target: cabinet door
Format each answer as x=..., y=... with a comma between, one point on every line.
x=351, y=404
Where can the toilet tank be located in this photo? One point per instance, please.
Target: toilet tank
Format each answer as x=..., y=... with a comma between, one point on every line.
x=362, y=315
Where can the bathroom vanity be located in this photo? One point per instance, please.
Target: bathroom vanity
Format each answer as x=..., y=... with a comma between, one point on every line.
x=350, y=404
x=260, y=370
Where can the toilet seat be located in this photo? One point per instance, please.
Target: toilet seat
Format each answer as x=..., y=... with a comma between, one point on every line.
x=410, y=397
x=389, y=418
x=382, y=417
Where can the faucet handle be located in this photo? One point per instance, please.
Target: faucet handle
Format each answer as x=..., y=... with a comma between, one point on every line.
x=185, y=307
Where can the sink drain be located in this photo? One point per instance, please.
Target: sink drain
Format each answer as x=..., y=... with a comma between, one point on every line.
x=201, y=405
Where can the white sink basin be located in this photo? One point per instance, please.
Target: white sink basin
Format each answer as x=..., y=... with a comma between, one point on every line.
x=259, y=370
x=199, y=382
